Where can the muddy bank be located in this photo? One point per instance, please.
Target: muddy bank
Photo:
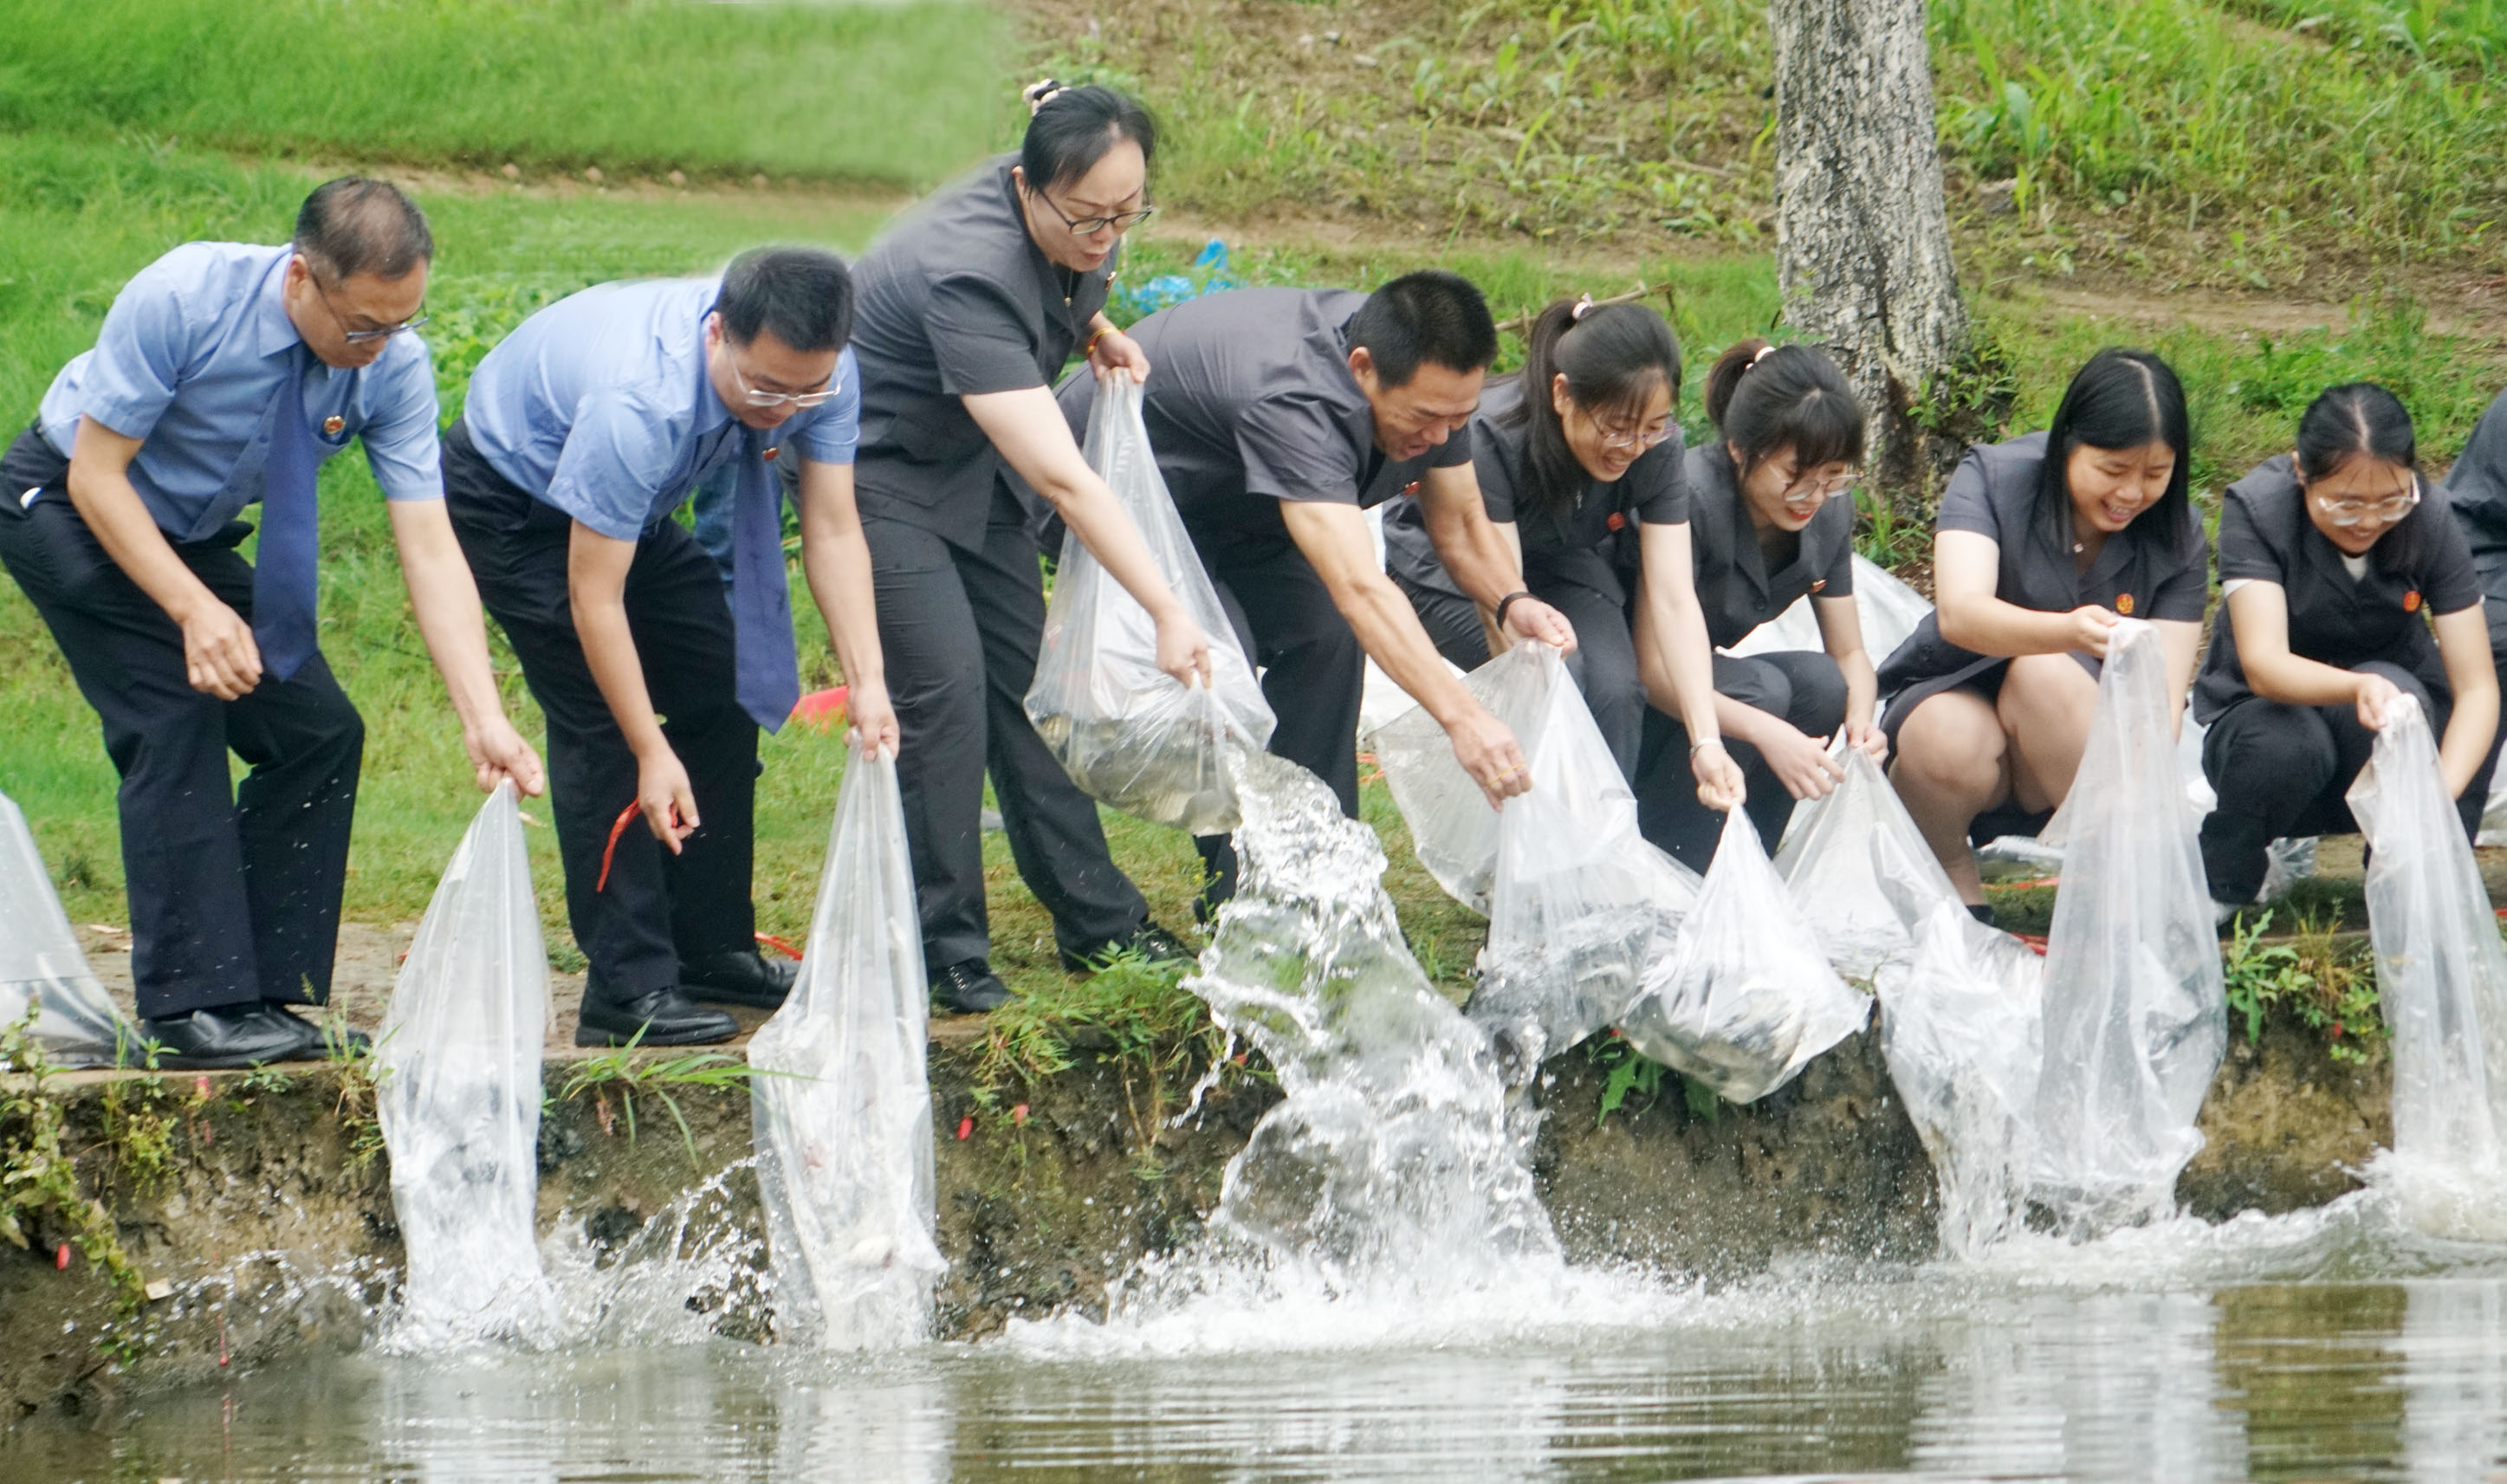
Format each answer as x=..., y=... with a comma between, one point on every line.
x=262, y=1204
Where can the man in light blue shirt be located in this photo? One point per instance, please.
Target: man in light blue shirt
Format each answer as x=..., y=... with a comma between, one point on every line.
x=583, y=432
x=223, y=376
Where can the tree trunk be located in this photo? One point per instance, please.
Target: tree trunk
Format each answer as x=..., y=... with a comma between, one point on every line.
x=1862, y=243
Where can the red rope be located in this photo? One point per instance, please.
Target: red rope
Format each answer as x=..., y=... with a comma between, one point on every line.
x=779, y=946
x=625, y=818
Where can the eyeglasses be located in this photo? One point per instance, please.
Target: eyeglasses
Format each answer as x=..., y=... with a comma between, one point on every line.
x=1629, y=440
x=1090, y=226
x=766, y=399
x=2393, y=507
x=360, y=337
x=1814, y=493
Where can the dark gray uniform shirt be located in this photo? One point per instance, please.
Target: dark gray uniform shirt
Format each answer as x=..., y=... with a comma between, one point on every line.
x=1734, y=586
x=2477, y=489
x=2421, y=567
x=2145, y=571
x=956, y=300
x=1602, y=514
x=1249, y=402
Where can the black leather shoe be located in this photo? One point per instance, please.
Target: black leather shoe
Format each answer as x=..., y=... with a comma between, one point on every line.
x=322, y=1042
x=664, y=1017
x=1148, y=940
x=971, y=987
x=739, y=976
x=224, y=1037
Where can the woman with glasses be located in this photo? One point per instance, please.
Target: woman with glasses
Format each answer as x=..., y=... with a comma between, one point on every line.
x=2041, y=545
x=2332, y=569
x=1578, y=459
x=1770, y=519
x=968, y=309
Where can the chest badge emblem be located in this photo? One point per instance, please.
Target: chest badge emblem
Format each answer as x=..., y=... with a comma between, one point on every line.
x=1618, y=520
x=2411, y=601
x=331, y=426
x=1819, y=584
x=771, y=451
x=2124, y=604
x=1410, y=489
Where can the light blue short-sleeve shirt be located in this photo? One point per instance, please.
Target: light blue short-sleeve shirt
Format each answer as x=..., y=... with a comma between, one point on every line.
x=190, y=359
x=599, y=405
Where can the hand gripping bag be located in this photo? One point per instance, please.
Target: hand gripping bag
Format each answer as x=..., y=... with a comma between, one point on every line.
x=458, y=1092
x=1861, y=871
x=1962, y=1028
x=40, y=967
x=1127, y=732
x=1580, y=902
x=1452, y=827
x=1746, y=997
x=2136, y=1017
x=841, y=1101
x=2442, y=981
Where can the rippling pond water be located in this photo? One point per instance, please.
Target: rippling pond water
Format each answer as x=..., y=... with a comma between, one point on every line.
x=2321, y=1346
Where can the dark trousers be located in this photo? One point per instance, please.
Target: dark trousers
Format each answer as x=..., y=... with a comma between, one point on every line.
x=656, y=908
x=1582, y=586
x=961, y=628
x=2281, y=771
x=234, y=891
x=1314, y=670
x=1801, y=686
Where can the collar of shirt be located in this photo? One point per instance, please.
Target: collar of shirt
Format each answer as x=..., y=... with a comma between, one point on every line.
x=272, y=331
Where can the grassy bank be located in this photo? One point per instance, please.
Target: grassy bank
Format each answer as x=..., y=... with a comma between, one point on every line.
x=894, y=94
x=2240, y=144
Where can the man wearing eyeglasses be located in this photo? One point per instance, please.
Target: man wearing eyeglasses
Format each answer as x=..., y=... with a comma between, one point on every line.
x=583, y=432
x=223, y=375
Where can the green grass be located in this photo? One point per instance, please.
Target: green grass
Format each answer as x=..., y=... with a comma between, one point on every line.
x=2217, y=142
x=902, y=94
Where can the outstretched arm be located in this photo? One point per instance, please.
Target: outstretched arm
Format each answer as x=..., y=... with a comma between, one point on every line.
x=837, y=559
x=446, y=601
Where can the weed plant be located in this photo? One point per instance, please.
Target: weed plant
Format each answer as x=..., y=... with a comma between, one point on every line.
x=2326, y=979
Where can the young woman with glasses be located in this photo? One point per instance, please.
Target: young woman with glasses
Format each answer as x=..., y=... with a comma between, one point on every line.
x=2332, y=569
x=1771, y=520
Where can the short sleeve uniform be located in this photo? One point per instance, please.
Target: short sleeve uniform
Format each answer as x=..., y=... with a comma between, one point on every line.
x=2421, y=569
x=599, y=407
x=956, y=301
x=1734, y=586
x=2476, y=490
x=193, y=359
x=1251, y=401
x=2148, y=571
x=1602, y=519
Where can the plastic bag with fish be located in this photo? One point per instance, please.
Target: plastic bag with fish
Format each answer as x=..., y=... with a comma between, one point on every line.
x=458, y=1093
x=1452, y=827
x=1747, y=997
x=842, y=1103
x=1127, y=732
x=1962, y=1025
x=1861, y=871
x=2442, y=980
x=1580, y=902
x=40, y=967
x=2135, y=1015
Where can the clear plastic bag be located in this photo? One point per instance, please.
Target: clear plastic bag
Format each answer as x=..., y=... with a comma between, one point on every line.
x=40, y=967
x=1128, y=733
x=2442, y=981
x=1889, y=609
x=1746, y=998
x=1580, y=902
x=842, y=1100
x=1861, y=871
x=1962, y=1025
x=458, y=1093
x=2135, y=1015
x=1452, y=827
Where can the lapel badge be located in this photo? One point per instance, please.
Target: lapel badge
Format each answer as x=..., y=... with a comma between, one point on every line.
x=771, y=451
x=1618, y=520
x=1820, y=585
x=2124, y=604
x=2411, y=601
x=331, y=425
x=1412, y=488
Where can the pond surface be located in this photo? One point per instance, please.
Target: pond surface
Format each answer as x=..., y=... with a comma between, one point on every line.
x=2327, y=1345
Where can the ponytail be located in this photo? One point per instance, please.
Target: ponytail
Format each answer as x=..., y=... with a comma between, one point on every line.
x=1613, y=355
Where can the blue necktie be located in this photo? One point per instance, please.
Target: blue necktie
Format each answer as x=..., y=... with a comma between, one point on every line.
x=766, y=673
x=282, y=577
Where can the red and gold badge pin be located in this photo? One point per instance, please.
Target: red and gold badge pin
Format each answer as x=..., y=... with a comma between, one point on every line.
x=1819, y=584
x=1618, y=520
x=1412, y=488
x=2411, y=601
x=2124, y=604
x=771, y=451
x=331, y=425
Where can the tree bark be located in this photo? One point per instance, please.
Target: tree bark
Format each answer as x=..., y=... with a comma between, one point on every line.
x=1862, y=243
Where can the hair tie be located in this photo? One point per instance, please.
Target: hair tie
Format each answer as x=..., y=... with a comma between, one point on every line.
x=1583, y=306
x=1042, y=90
x=1764, y=351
